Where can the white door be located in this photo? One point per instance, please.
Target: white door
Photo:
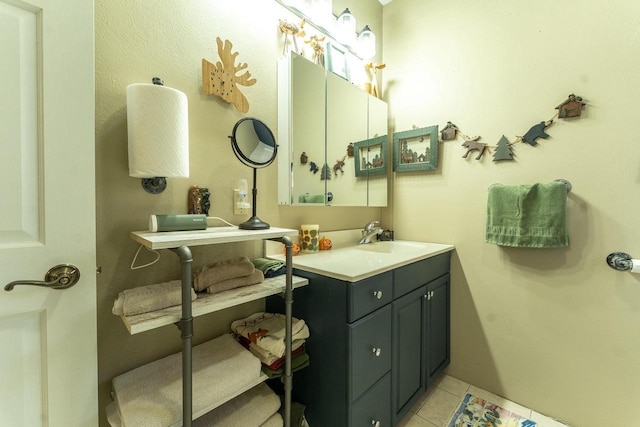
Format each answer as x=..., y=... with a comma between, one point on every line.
x=48, y=355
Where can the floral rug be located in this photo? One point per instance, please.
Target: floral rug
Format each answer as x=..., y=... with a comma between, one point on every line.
x=477, y=412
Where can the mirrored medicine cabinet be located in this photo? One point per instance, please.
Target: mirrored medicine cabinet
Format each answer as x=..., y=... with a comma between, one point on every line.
x=332, y=139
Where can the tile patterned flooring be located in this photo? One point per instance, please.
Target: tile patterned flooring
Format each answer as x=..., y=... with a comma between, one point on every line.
x=436, y=406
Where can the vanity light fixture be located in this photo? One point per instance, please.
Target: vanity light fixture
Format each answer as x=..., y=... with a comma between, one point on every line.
x=367, y=43
x=158, y=134
x=346, y=28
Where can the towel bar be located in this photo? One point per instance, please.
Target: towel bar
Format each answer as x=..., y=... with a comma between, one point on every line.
x=620, y=261
x=563, y=181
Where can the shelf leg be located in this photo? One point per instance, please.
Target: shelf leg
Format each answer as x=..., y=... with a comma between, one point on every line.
x=288, y=301
x=186, y=328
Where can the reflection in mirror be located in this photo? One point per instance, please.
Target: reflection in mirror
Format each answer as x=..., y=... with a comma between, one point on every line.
x=370, y=156
x=254, y=145
x=320, y=117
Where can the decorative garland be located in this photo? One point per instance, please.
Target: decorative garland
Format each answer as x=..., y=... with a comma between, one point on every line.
x=571, y=107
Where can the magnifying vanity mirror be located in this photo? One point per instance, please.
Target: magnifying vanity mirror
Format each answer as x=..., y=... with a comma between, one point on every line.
x=254, y=145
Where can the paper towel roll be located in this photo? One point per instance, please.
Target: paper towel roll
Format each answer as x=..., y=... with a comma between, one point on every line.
x=635, y=265
x=158, y=131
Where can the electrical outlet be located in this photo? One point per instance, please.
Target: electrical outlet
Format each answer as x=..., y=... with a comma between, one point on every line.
x=238, y=201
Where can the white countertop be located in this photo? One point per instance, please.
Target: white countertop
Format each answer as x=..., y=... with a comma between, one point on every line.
x=357, y=262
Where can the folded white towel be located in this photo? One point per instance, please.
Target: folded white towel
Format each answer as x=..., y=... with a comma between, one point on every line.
x=250, y=409
x=151, y=395
x=144, y=299
x=266, y=356
x=267, y=330
x=274, y=421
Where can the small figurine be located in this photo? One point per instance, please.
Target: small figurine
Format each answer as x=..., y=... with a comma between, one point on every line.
x=571, y=107
x=535, y=132
x=295, y=250
x=313, y=167
x=293, y=31
x=449, y=132
x=473, y=145
x=303, y=158
x=325, y=244
x=198, y=200
x=318, y=50
x=350, y=149
x=338, y=166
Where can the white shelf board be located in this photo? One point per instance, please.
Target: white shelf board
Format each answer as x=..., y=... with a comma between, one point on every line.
x=210, y=236
x=209, y=303
x=214, y=405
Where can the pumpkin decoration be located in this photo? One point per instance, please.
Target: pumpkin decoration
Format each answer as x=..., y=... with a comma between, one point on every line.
x=295, y=250
x=325, y=244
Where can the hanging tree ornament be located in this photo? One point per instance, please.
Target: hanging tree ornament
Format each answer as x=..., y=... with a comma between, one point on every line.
x=503, y=150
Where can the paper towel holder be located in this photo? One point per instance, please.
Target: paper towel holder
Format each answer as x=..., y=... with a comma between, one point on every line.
x=151, y=182
x=620, y=261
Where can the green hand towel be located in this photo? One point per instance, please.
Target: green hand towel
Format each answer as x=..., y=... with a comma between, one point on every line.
x=270, y=267
x=532, y=216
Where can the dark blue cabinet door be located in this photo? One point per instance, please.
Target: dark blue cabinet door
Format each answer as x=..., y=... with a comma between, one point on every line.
x=407, y=370
x=437, y=328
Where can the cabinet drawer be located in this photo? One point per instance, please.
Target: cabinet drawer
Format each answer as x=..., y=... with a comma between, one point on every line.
x=414, y=275
x=369, y=295
x=369, y=350
x=373, y=406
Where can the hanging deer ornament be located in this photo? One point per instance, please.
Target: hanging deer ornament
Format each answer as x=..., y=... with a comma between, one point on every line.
x=223, y=78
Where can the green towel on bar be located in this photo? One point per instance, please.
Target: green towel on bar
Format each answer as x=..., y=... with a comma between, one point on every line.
x=531, y=216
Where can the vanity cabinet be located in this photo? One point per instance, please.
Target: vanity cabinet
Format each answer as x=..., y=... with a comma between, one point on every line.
x=375, y=344
x=420, y=342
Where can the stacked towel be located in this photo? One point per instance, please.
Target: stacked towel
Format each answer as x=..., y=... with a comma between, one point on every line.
x=257, y=407
x=527, y=215
x=270, y=267
x=228, y=274
x=267, y=331
x=237, y=282
x=148, y=298
x=151, y=395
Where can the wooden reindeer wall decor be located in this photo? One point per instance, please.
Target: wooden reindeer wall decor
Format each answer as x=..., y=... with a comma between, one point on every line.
x=571, y=108
x=223, y=78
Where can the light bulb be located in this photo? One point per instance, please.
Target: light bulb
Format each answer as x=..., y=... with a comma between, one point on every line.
x=367, y=43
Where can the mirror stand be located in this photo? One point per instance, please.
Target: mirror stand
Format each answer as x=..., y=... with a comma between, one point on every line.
x=254, y=145
x=254, y=223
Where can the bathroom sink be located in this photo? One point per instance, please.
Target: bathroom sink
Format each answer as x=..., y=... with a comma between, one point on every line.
x=357, y=262
x=390, y=247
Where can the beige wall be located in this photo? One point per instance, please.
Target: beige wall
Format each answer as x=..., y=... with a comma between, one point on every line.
x=134, y=42
x=554, y=329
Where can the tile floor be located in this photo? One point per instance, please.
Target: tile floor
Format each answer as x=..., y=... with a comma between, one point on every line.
x=435, y=408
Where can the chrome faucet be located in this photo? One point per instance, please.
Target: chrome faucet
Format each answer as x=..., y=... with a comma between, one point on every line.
x=370, y=230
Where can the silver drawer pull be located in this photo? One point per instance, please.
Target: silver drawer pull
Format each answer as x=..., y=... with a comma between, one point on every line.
x=377, y=351
x=377, y=294
x=375, y=423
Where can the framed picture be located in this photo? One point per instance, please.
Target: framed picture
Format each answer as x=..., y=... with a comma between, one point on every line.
x=415, y=150
x=336, y=60
x=370, y=156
